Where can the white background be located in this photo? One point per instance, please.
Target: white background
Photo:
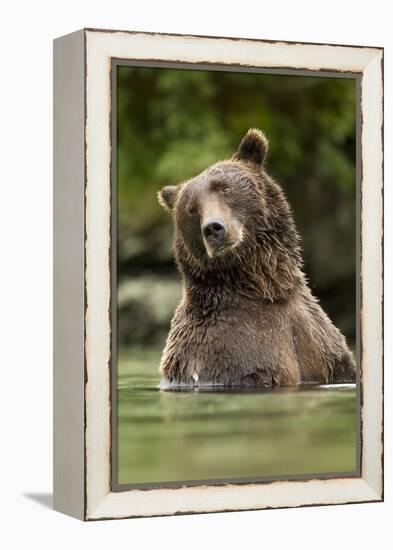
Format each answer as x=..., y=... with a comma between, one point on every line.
x=26, y=271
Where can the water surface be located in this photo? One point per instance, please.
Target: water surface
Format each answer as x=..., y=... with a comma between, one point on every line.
x=204, y=434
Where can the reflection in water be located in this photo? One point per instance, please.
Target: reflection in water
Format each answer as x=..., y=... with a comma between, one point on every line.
x=229, y=432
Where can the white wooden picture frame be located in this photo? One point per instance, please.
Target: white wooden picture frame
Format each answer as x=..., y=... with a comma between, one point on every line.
x=83, y=277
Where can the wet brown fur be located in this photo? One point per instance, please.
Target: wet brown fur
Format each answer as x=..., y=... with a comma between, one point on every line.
x=247, y=317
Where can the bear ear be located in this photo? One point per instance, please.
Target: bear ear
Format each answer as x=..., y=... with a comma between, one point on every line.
x=253, y=147
x=167, y=197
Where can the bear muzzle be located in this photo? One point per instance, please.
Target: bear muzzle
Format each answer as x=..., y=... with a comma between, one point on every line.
x=214, y=230
x=217, y=237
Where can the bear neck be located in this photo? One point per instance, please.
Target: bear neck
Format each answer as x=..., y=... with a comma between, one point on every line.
x=218, y=289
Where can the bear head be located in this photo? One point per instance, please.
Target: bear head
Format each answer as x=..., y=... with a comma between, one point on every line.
x=234, y=218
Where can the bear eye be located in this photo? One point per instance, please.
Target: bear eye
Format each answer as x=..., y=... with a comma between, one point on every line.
x=192, y=209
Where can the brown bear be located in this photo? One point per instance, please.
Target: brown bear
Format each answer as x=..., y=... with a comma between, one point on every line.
x=247, y=316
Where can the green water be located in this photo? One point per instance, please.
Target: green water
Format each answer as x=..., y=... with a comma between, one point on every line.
x=195, y=435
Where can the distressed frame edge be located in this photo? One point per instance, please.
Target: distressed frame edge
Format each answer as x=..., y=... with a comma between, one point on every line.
x=372, y=268
x=235, y=38
x=360, y=492
x=375, y=495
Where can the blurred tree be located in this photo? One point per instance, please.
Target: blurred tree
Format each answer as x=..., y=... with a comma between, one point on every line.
x=173, y=123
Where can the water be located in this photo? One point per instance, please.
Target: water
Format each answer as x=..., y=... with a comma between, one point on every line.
x=204, y=434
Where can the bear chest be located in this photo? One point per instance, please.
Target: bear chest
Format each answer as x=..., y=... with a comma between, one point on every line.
x=232, y=345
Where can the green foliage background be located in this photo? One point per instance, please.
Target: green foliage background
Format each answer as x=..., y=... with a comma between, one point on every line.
x=173, y=123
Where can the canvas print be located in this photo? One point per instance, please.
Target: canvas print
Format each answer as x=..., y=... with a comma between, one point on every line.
x=236, y=276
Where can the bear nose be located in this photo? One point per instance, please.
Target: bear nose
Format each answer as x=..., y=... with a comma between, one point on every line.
x=213, y=229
